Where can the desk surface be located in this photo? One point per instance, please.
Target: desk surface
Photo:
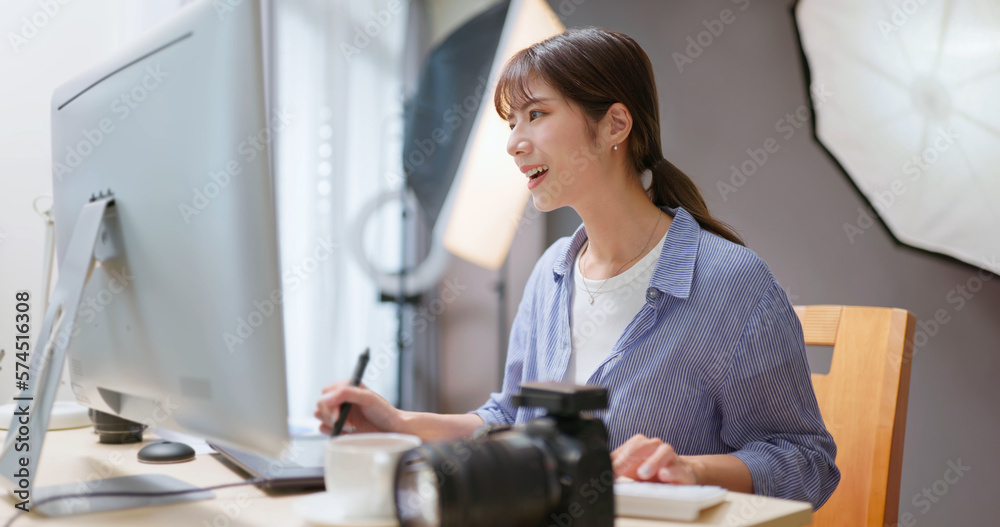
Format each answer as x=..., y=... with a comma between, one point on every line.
x=75, y=456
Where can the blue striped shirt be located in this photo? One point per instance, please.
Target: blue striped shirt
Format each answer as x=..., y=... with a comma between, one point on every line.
x=713, y=363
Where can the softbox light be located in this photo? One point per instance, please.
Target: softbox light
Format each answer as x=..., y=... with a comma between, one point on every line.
x=907, y=107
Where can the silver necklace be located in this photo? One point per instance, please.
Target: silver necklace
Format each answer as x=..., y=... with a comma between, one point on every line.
x=583, y=265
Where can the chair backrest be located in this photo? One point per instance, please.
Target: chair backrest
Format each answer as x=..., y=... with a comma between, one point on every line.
x=863, y=400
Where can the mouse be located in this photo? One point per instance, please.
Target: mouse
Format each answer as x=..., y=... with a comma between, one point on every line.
x=166, y=452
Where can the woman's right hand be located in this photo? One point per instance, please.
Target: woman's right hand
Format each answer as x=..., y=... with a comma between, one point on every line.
x=370, y=412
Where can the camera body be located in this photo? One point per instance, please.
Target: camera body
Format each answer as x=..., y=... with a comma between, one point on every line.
x=555, y=471
x=579, y=445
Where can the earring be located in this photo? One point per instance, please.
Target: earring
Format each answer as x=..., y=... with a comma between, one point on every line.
x=616, y=145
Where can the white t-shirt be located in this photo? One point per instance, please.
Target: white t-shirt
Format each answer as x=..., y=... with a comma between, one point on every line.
x=597, y=327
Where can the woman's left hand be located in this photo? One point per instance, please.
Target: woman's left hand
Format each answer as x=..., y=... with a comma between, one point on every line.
x=650, y=459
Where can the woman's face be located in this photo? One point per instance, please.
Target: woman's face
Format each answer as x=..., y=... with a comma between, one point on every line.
x=551, y=145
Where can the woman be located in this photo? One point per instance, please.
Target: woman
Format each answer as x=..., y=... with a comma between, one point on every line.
x=707, y=376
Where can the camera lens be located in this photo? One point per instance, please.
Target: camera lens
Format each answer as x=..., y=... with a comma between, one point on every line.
x=417, y=498
x=470, y=482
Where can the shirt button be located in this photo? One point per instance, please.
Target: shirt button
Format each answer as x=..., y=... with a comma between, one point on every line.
x=652, y=294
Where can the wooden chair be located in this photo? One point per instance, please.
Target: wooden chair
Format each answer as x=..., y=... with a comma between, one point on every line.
x=863, y=400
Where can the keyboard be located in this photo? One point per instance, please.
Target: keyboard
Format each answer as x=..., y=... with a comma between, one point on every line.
x=662, y=501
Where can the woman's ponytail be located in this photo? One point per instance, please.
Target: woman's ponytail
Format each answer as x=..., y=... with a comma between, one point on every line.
x=673, y=188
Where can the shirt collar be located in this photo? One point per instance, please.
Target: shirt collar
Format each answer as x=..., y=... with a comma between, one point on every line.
x=674, y=269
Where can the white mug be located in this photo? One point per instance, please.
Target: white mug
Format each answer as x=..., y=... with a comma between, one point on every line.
x=359, y=471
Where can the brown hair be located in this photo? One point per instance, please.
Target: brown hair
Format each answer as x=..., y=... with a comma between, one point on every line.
x=596, y=68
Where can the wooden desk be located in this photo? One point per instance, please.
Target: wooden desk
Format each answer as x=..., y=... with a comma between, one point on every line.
x=75, y=456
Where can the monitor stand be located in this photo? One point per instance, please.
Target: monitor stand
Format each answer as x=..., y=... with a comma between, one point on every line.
x=111, y=495
x=91, y=241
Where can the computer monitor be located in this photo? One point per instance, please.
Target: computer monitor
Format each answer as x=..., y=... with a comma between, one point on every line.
x=181, y=326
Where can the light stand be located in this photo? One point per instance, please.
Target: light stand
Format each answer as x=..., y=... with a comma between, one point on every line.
x=502, y=337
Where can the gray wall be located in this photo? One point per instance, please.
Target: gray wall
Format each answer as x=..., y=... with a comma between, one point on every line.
x=792, y=212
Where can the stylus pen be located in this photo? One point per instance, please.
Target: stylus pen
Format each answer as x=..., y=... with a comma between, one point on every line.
x=345, y=408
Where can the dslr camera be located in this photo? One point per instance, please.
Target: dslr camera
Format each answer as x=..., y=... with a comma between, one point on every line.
x=554, y=471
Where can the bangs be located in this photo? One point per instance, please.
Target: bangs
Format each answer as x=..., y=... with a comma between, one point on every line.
x=512, y=91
